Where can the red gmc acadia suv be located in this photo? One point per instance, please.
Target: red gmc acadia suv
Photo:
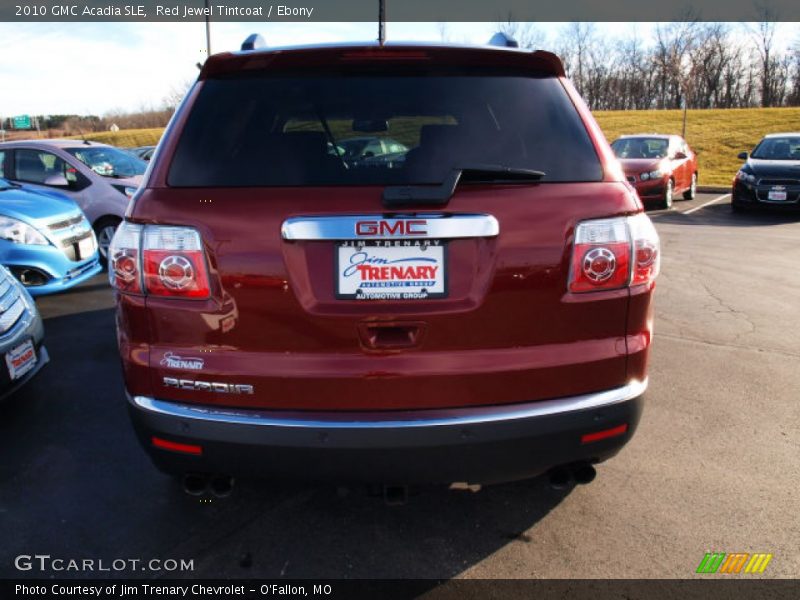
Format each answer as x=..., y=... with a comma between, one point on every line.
x=476, y=308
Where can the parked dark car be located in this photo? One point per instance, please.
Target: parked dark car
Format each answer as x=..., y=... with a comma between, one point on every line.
x=770, y=176
x=481, y=314
x=21, y=336
x=101, y=179
x=658, y=166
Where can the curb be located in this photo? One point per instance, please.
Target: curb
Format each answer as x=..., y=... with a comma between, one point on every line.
x=713, y=189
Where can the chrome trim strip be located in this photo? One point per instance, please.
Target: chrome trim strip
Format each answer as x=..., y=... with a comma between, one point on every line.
x=378, y=420
x=438, y=226
x=9, y=318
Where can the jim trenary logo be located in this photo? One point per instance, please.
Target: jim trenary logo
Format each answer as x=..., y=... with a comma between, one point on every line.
x=738, y=562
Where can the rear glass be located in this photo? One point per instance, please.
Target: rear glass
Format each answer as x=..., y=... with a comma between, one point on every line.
x=378, y=130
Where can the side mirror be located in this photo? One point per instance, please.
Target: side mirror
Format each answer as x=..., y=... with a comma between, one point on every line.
x=56, y=181
x=680, y=155
x=743, y=155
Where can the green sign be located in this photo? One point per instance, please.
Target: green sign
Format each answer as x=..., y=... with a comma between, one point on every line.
x=22, y=122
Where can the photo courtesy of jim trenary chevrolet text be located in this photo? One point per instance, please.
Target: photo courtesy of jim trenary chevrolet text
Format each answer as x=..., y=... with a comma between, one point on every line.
x=399, y=299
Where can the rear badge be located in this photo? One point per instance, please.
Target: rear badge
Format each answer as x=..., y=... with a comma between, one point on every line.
x=173, y=361
x=207, y=386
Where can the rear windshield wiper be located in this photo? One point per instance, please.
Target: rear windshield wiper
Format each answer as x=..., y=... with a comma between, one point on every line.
x=441, y=194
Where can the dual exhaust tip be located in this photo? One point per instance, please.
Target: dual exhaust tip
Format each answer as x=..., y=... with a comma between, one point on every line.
x=198, y=484
x=581, y=473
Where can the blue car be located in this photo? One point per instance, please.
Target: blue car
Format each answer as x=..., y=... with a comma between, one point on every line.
x=45, y=240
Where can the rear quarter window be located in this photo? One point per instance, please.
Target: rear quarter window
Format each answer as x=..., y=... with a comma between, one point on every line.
x=378, y=130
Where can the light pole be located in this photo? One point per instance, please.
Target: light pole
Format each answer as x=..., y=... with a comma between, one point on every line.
x=381, y=21
x=208, y=30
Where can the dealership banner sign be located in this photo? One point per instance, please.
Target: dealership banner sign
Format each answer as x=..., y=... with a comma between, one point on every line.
x=398, y=10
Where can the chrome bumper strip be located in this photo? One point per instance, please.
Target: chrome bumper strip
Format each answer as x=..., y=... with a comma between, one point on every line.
x=395, y=419
x=418, y=226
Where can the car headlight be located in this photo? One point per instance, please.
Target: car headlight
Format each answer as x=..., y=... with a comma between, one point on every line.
x=658, y=173
x=18, y=232
x=746, y=177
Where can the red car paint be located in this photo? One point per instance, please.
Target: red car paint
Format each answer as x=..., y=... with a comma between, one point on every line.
x=507, y=332
x=678, y=166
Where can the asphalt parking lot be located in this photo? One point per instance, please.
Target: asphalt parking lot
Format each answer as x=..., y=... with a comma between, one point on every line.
x=713, y=467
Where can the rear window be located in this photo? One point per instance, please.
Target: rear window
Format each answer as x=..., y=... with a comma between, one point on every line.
x=378, y=130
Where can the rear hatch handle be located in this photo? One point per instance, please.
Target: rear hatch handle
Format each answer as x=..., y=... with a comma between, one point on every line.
x=439, y=195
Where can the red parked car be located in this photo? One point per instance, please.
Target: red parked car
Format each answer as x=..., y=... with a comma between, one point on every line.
x=658, y=166
x=477, y=312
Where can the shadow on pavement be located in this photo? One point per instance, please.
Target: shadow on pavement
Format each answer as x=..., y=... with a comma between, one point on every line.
x=721, y=215
x=74, y=483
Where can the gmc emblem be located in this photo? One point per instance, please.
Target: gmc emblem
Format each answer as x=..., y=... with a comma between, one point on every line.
x=403, y=227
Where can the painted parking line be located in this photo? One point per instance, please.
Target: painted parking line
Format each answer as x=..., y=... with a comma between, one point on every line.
x=710, y=202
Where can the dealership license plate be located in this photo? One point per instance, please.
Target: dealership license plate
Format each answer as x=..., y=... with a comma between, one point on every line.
x=391, y=270
x=776, y=195
x=21, y=359
x=86, y=247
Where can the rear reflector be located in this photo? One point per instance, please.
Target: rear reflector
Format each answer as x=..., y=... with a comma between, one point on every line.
x=606, y=433
x=177, y=446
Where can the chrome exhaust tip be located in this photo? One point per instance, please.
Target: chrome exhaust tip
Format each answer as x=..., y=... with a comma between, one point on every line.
x=221, y=486
x=195, y=484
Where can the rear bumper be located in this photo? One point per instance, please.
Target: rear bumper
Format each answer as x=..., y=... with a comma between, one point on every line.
x=475, y=445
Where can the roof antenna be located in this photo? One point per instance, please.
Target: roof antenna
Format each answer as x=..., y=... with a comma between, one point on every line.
x=381, y=22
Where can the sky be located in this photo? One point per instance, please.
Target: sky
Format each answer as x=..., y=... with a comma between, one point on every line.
x=97, y=68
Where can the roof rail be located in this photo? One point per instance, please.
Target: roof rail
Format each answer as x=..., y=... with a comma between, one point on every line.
x=254, y=41
x=503, y=40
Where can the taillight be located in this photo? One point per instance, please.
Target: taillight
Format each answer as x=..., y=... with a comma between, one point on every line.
x=646, y=249
x=614, y=253
x=124, y=269
x=174, y=262
x=159, y=260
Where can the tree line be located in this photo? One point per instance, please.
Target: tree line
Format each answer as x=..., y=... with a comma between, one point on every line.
x=701, y=64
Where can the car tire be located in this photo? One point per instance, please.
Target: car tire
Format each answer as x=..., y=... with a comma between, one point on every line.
x=104, y=230
x=666, y=200
x=692, y=191
x=737, y=208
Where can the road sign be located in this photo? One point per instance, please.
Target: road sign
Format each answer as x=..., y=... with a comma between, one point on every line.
x=22, y=122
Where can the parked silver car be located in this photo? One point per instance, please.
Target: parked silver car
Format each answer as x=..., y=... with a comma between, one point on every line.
x=21, y=336
x=100, y=178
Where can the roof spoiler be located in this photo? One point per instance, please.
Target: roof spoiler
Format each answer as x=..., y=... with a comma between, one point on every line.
x=254, y=41
x=503, y=40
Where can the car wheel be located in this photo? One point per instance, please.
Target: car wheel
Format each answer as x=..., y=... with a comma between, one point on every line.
x=692, y=191
x=104, y=230
x=666, y=201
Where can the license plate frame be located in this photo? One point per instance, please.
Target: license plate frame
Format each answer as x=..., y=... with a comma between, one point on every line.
x=21, y=359
x=774, y=195
x=401, y=253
